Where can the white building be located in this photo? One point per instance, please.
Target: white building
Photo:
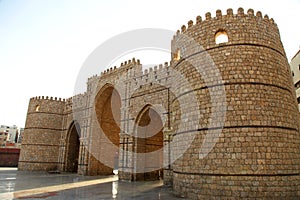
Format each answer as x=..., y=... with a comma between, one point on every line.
x=295, y=67
x=20, y=136
x=3, y=139
x=12, y=132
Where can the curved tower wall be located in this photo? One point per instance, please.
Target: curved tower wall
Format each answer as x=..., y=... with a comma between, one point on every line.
x=256, y=150
x=43, y=128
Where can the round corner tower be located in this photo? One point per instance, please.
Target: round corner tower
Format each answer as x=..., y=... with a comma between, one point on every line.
x=43, y=128
x=253, y=151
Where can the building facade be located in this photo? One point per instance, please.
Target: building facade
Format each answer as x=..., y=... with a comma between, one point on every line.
x=218, y=121
x=12, y=132
x=20, y=135
x=295, y=67
x=3, y=139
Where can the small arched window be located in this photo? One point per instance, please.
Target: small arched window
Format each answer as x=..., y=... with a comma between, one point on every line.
x=177, y=55
x=37, y=108
x=221, y=37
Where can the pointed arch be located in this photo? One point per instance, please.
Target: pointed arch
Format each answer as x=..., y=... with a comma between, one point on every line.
x=108, y=114
x=72, y=147
x=141, y=113
x=148, y=144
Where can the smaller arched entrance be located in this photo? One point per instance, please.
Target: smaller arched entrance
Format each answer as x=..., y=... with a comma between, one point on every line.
x=72, y=148
x=148, y=146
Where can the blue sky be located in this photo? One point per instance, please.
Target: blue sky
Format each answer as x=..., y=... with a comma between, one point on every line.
x=43, y=43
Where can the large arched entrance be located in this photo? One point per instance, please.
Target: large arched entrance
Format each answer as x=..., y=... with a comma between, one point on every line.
x=148, y=146
x=72, y=153
x=108, y=111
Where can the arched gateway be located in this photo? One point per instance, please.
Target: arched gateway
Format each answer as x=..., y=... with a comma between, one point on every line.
x=72, y=148
x=148, y=145
x=106, y=138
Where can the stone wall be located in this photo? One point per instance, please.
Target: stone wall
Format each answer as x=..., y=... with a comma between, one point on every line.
x=254, y=144
x=9, y=157
x=43, y=129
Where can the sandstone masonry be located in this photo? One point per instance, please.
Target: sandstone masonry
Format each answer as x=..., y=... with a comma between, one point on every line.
x=219, y=121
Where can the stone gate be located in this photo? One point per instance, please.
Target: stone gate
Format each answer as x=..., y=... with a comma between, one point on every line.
x=219, y=120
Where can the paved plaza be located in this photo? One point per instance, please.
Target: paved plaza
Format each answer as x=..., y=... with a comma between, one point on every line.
x=16, y=184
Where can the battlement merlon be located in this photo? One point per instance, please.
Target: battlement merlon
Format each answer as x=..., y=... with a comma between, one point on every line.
x=131, y=67
x=241, y=28
x=230, y=14
x=156, y=69
x=157, y=74
x=127, y=65
x=93, y=78
x=48, y=98
x=46, y=104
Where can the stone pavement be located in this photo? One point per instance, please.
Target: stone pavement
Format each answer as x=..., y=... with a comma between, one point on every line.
x=41, y=185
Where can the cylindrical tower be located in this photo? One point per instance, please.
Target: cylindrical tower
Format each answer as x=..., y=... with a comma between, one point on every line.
x=246, y=139
x=43, y=128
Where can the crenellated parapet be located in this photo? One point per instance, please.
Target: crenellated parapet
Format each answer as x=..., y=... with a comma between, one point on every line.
x=45, y=104
x=92, y=84
x=123, y=67
x=241, y=28
x=75, y=102
x=48, y=98
x=160, y=74
x=93, y=77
